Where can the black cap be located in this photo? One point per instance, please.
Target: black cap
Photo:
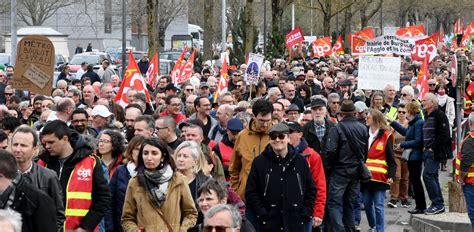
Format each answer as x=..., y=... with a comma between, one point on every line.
x=292, y=107
x=405, y=78
x=318, y=103
x=346, y=82
x=195, y=121
x=294, y=127
x=171, y=86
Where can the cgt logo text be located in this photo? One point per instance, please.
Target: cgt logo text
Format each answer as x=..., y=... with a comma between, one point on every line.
x=84, y=174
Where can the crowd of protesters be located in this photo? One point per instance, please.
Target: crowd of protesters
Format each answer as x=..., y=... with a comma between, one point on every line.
x=290, y=153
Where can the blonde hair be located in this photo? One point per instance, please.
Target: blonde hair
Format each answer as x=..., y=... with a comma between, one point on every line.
x=378, y=119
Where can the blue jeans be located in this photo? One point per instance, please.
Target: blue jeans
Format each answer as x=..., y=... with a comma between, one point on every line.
x=374, y=208
x=357, y=202
x=468, y=190
x=431, y=179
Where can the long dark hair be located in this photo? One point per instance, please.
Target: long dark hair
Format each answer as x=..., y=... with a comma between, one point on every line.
x=165, y=152
x=117, y=141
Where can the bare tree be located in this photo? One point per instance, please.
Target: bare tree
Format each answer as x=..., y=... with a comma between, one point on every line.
x=365, y=14
x=208, y=29
x=35, y=13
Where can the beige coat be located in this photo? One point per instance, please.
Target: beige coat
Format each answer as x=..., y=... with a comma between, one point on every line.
x=139, y=211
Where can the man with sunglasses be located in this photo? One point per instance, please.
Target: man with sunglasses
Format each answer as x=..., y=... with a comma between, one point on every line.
x=222, y=217
x=280, y=188
x=236, y=75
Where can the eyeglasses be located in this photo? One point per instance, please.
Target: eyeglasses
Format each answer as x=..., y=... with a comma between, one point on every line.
x=8, y=94
x=175, y=105
x=402, y=112
x=432, y=84
x=238, y=86
x=79, y=120
x=160, y=128
x=280, y=136
x=216, y=228
x=104, y=141
x=336, y=103
x=404, y=94
x=188, y=90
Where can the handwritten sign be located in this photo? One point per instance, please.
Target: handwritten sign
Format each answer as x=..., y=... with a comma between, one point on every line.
x=375, y=72
x=35, y=65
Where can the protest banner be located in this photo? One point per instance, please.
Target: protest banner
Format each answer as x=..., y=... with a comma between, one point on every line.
x=375, y=72
x=35, y=58
x=411, y=31
x=337, y=48
x=389, y=44
x=322, y=47
x=294, y=37
x=357, y=45
x=253, y=69
x=424, y=47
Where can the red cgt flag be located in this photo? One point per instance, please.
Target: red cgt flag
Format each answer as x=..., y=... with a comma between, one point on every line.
x=153, y=71
x=411, y=31
x=322, y=47
x=223, y=81
x=357, y=45
x=133, y=79
x=186, y=70
x=425, y=47
x=337, y=48
x=367, y=33
x=177, y=67
x=294, y=37
x=422, y=81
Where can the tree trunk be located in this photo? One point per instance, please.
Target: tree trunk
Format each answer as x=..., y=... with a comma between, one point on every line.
x=249, y=29
x=327, y=24
x=277, y=13
x=152, y=27
x=208, y=29
x=347, y=27
x=364, y=20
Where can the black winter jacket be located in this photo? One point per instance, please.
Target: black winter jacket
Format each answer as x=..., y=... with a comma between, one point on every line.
x=280, y=191
x=100, y=188
x=37, y=209
x=47, y=181
x=340, y=156
x=309, y=134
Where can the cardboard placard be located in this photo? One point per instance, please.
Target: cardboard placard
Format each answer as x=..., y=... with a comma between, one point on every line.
x=35, y=59
x=375, y=72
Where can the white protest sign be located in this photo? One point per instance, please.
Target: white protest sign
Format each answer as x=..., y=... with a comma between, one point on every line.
x=253, y=68
x=389, y=44
x=375, y=72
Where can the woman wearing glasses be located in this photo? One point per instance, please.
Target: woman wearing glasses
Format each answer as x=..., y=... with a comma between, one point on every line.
x=158, y=198
x=110, y=148
x=414, y=141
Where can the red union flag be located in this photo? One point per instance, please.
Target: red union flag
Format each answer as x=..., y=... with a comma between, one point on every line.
x=132, y=80
x=424, y=47
x=177, y=67
x=322, y=47
x=337, y=48
x=367, y=33
x=186, y=70
x=357, y=45
x=469, y=29
x=294, y=37
x=153, y=70
x=223, y=81
x=411, y=31
x=422, y=81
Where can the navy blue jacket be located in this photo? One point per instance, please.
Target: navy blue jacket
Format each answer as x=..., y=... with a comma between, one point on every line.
x=118, y=188
x=413, y=136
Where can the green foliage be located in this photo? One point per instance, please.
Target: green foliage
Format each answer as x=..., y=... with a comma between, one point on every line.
x=275, y=46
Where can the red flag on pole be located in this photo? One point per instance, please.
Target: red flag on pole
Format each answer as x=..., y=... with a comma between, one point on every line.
x=132, y=80
x=338, y=48
x=322, y=47
x=411, y=31
x=186, y=70
x=153, y=70
x=177, y=67
x=458, y=27
x=366, y=34
x=223, y=81
x=422, y=81
x=425, y=47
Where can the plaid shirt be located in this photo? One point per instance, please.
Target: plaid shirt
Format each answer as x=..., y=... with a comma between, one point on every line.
x=320, y=130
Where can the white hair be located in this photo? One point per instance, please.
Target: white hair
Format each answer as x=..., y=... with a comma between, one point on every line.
x=12, y=217
x=236, y=217
x=409, y=90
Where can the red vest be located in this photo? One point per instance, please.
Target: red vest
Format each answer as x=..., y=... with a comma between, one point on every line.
x=470, y=174
x=226, y=153
x=78, y=193
x=376, y=159
x=468, y=97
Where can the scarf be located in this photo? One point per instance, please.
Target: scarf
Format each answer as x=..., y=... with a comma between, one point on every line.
x=157, y=183
x=442, y=99
x=131, y=168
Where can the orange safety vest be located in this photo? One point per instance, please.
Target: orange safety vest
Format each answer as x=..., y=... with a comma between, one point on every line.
x=377, y=160
x=470, y=174
x=468, y=98
x=226, y=153
x=78, y=193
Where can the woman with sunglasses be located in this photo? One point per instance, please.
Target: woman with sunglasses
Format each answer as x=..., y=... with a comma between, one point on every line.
x=414, y=141
x=381, y=163
x=158, y=198
x=399, y=187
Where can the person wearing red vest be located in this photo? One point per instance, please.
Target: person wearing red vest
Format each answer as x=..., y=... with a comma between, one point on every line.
x=225, y=147
x=315, y=166
x=381, y=163
x=465, y=169
x=86, y=194
x=468, y=98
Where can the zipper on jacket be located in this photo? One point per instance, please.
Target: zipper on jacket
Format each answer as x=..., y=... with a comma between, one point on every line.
x=299, y=183
x=267, y=179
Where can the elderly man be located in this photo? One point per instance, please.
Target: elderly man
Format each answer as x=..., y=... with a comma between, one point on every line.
x=274, y=94
x=107, y=91
x=222, y=217
x=278, y=112
x=391, y=101
x=292, y=113
x=437, y=149
x=334, y=101
x=224, y=113
x=290, y=94
x=62, y=85
x=88, y=96
x=132, y=112
x=64, y=109
x=100, y=117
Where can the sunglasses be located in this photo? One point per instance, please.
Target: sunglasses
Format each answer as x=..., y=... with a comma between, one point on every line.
x=402, y=112
x=404, y=94
x=8, y=94
x=432, y=84
x=335, y=103
x=280, y=136
x=215, y=228
x=188, y=90
x=238, y=86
